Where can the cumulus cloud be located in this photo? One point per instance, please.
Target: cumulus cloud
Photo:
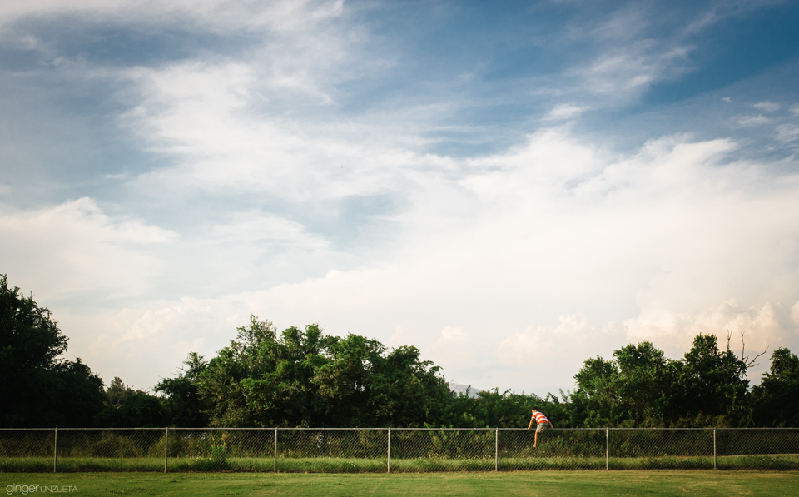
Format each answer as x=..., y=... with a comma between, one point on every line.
x=498, y=265
x=454, y=348
x=559, y=350
x=753, y=329
x=673, y=230
x=73, y=248
x=654, y=244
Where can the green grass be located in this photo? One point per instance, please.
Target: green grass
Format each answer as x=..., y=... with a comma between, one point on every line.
x=536, y=483
x=378, y=465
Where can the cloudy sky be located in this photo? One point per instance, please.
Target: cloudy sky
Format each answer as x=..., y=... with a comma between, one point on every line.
x=512, y=187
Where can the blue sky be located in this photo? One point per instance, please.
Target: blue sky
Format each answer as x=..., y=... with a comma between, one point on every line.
x=511, y=186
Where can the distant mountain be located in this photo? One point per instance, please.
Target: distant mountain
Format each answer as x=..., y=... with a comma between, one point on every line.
x=461, y=389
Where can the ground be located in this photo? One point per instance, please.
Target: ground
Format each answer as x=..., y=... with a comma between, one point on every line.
x=527, y=483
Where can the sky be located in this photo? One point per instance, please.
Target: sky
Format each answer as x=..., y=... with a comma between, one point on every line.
x=512, y=187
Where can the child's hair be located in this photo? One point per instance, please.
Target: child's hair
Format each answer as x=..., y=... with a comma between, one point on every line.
x=535, y=408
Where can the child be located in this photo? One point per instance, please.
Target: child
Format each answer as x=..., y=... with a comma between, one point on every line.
x=542, y=421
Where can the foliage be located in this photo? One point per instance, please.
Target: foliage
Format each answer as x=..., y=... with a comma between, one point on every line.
x=490, y=408
x=641, y=387
x=182, y=401
x=37, y=388
x=304, y=378
x=129, y=408
x=307, y=378
x=776, y=399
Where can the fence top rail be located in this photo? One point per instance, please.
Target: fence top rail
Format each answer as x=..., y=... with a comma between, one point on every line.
x=396, y=429
x=30, y=429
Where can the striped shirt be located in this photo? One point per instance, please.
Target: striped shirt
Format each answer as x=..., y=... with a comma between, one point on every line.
x=540, y=418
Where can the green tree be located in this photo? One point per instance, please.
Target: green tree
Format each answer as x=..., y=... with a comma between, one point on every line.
x=403, y=390
x=643, y=384
x=117, y=392
x=712, y=385
x=490, y=408
x=39, y=389
x=306, y=378
x=776, y=399
x=181, y=396
x=641, y=387
x=129, y=408
x=597, y=401
x=276, y=387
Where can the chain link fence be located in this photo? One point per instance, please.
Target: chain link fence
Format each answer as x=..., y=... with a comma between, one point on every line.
x=379, y=450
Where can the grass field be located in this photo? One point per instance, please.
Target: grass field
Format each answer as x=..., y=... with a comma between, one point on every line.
x=378, y=465
x=537, y=483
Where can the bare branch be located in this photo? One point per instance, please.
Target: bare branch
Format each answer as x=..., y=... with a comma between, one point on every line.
x=751, y=363
x=743, y=345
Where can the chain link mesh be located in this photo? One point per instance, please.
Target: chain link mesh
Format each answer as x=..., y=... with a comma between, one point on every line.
x=661, y=449
x=221, y=450
x=26, y=450
x=557, y=449
x=442, y=450
x=338, y=451
x=349, y=450
x=757, y=449
x=111, y=450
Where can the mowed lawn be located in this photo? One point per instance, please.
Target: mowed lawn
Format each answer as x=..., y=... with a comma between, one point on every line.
x=531, y=483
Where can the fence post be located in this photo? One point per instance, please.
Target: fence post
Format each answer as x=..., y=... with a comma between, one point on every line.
x=389, y=450
x=166, y=446
x=55, y=452
x=275, y=469
x=496, y=450
x=715, y=461
x=607, y=449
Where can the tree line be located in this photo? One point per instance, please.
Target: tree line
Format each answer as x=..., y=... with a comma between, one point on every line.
x=306, y=378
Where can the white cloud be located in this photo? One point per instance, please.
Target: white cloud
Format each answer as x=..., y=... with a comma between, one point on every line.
x=564, y=111
x=625, y=72
x=157, y=334
x=627, y=23
x=281, y=15
x=753, y=329
x=651, y=238
x=198, y=113
x=575, y=336
x=762, y=326
x=75, y=248
x=767, y=106
x=455, y=349
x=656, y=239
x=627, y=58
x=749, y=121
x=788, y=133
x=491, y=265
